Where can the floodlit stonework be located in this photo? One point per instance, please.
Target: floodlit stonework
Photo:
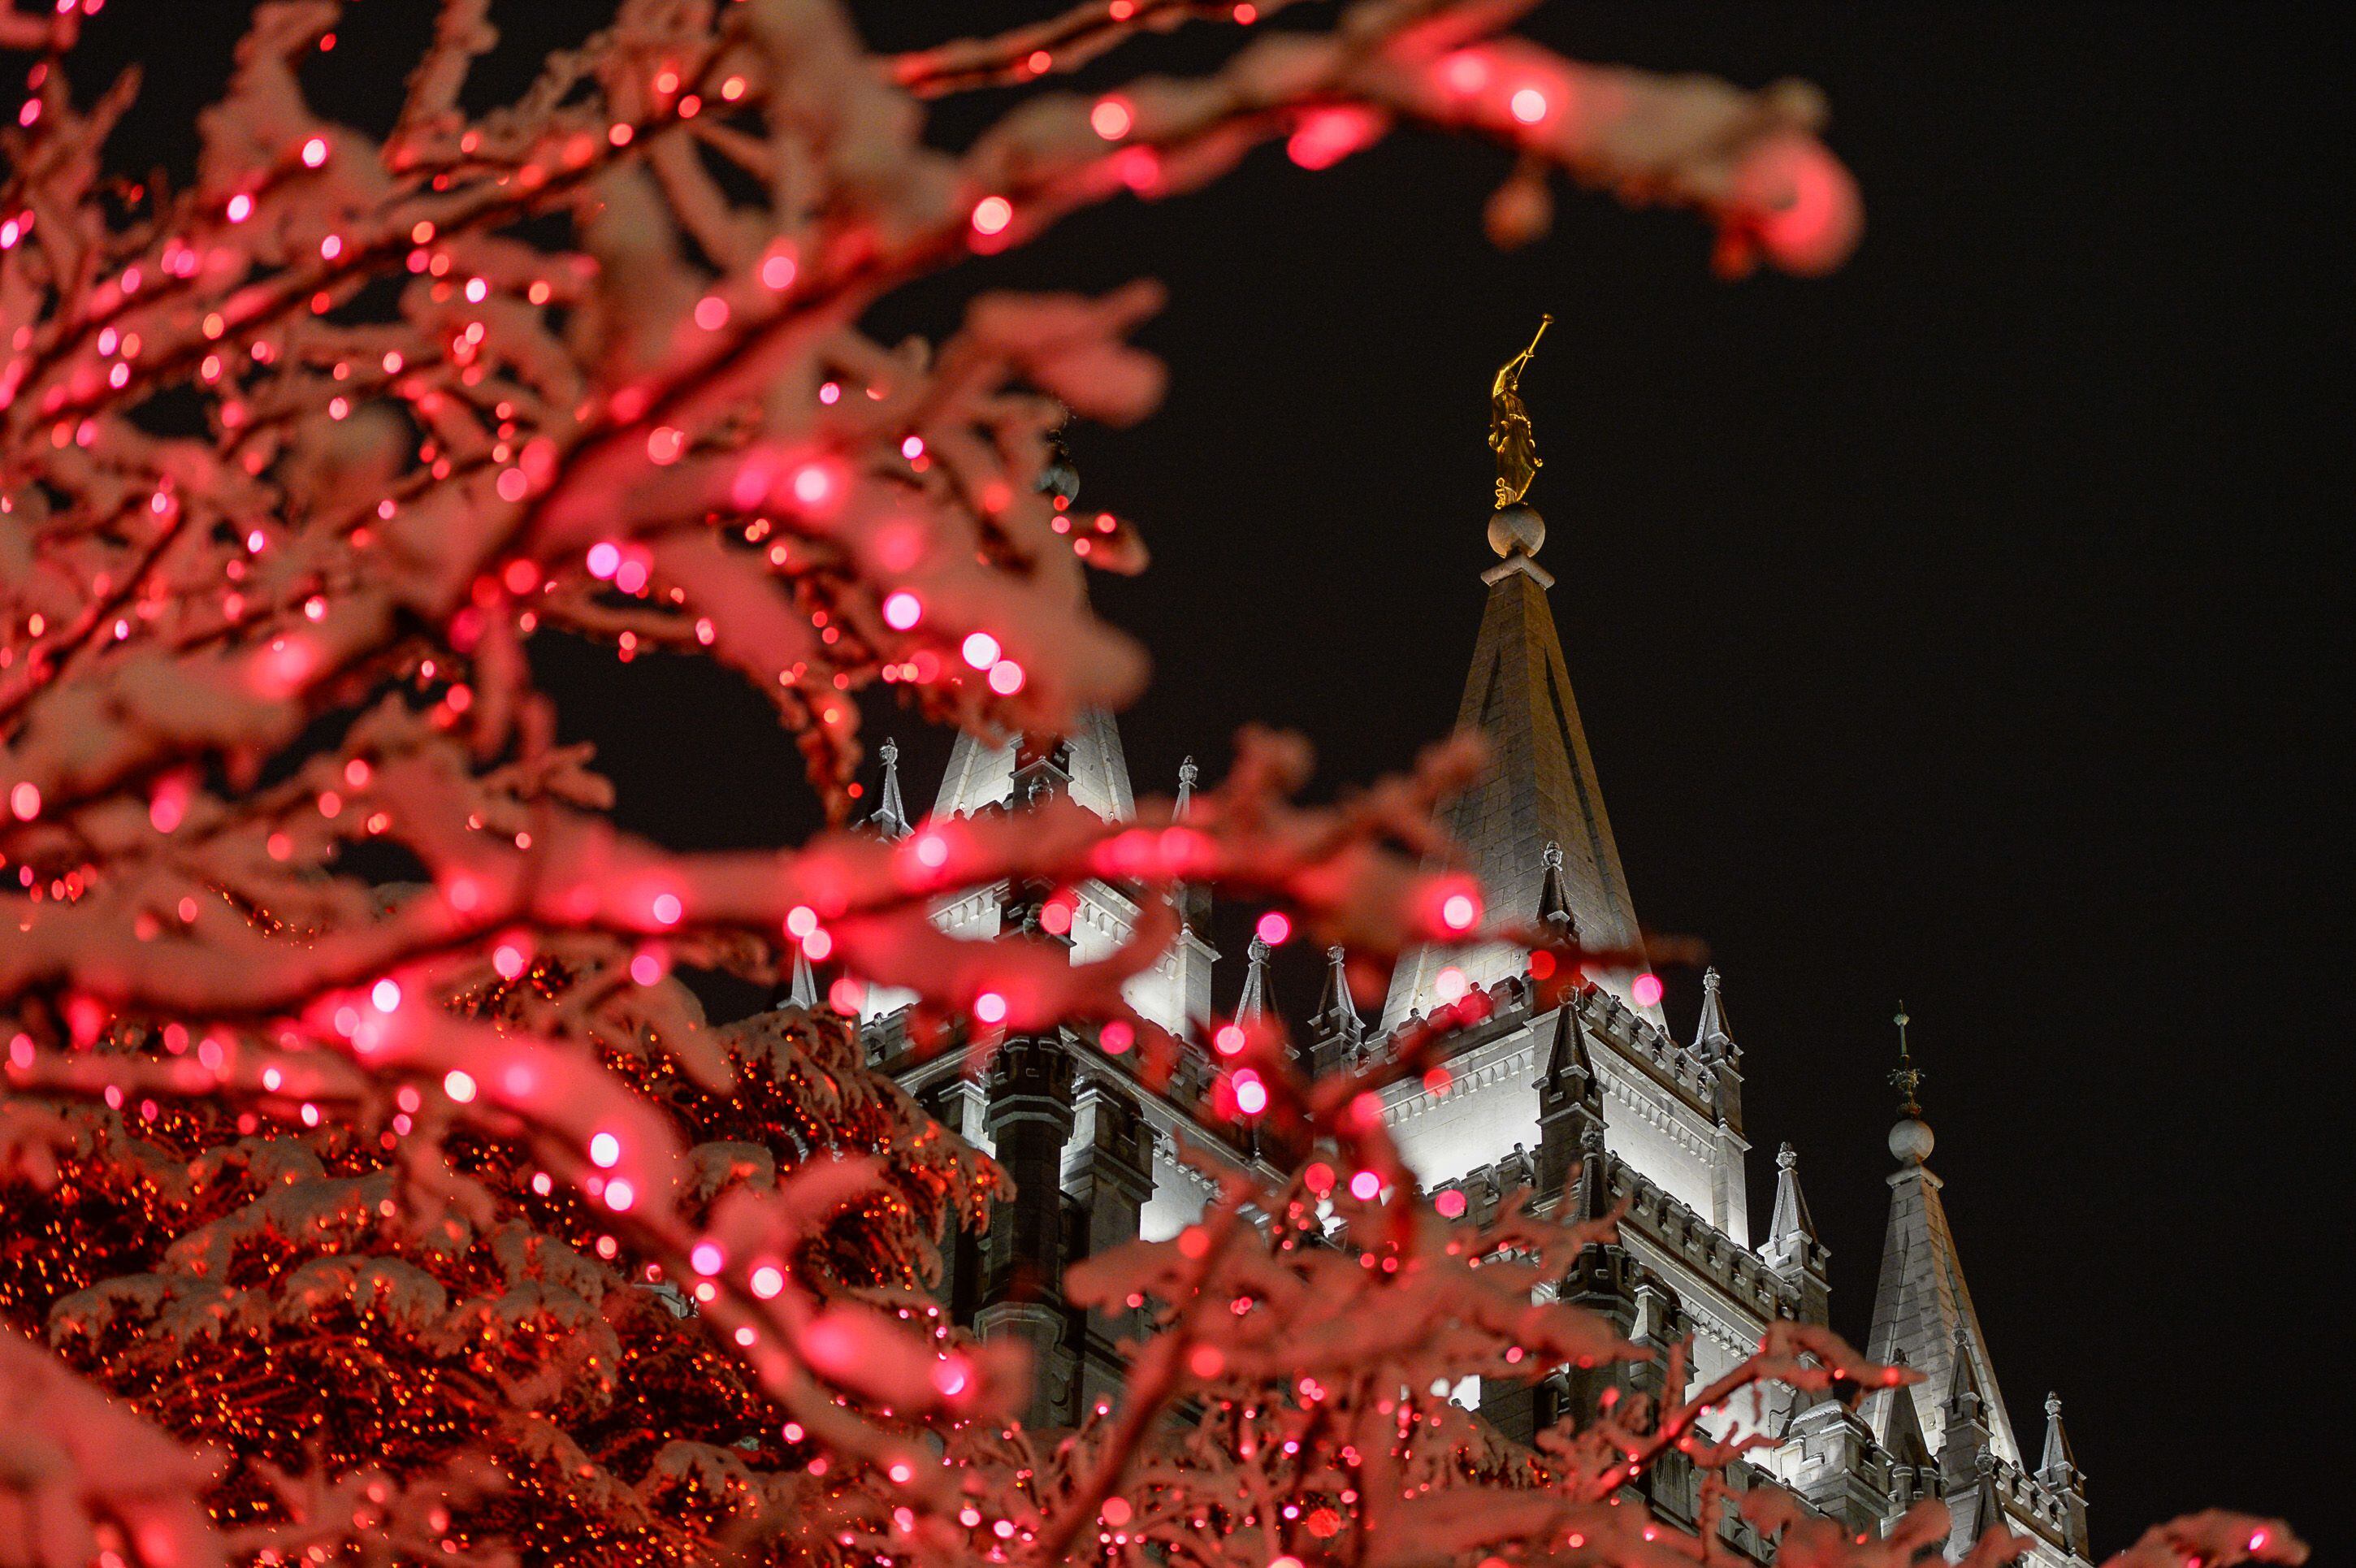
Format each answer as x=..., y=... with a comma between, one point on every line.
x=1588, y=1104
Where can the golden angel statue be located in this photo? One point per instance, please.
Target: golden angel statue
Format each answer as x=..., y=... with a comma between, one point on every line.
x=1510, y=436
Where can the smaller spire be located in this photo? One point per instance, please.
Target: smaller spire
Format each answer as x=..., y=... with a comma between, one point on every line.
x=1187, y=774
x=803, y=993
x=1791, y=1223
x=1712, y=1042
x=1337, y=1012
x=889, y=818
x=1567, y=1056
x=1964, y=1398
x=1554, y=906
x=2059, y=1467
x=1253, y=1006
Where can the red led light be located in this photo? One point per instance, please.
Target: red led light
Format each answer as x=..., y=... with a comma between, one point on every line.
x=1111, y=118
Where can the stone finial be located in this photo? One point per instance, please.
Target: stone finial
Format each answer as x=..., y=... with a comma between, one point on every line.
x=1253, y=1005
x=1337, y=1010
x=1712, y=1040
x=2059, y=1465
x=889, y=818
x=1791, y=1229
x=1554, y=903
x=1187, y=774
x=1964, y=1394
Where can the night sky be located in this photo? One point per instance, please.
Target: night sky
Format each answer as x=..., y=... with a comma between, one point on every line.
x=1958, y=627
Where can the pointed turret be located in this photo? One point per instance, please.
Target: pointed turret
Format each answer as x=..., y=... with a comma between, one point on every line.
x=1570, y=1102
x=1792, y=1225
x=803, y=993
x=1905, y=1440
x=1965, y=1400
x=1921, y=1307
x=1253, y=1005
x=1187, y=774
x=2060, y=1465
x=1554, y=905
x=1793, y=1248
x=1712, y=1040
x=1336, y=1011
x=1539, y=787
x=2059, y=1471
x=889, y=818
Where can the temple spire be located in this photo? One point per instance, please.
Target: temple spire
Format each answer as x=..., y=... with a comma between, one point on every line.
x=1922, y=1307
x=889, y=818
x=1336, y=1017
x=803, y=994
x=2059, y=1466
x=1540, y=785
x=1187, y=774
x=1253, y=1005
x=1554, y=905
x=1793, y=1227
x=1712, y=1040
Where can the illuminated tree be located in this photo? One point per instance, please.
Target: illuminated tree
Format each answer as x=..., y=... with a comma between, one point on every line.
x=421, y=1213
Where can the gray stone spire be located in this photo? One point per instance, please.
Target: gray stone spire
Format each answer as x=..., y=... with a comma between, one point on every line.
x=1965, y=1400
x=803, y=993
x=1539, y=787
x=1253, y=1006
x=1336, y=1017
x=1187, y=774
x=1922, y=1307
x=1793, y=1248
x=1793, y=1225
x=889, y=818
x=2059, y=1471
x=1712, y=1041
x=2059, y=1466
x=1554, y=905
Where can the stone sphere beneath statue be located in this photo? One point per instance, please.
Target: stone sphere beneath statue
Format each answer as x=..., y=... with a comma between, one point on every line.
x=1911, y=1141
x=1517, y=530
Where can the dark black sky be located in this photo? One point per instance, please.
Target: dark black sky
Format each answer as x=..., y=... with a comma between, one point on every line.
x=1959, y=628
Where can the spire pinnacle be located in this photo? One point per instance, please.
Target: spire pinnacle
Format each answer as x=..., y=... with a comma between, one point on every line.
x=1187, y=774
x=1712, y=1040
x=1253, y=1005
x=1964, y=1395
x=1792, y=1222
x=1337, y=1012
x=1538, y=787
x=889, y=818
x=803, y=993
x=2059, y=1466
x=1554, y=904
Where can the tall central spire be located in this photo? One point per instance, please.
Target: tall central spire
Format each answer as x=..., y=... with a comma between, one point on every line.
x=1922, y=1312
x=1540, y=787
